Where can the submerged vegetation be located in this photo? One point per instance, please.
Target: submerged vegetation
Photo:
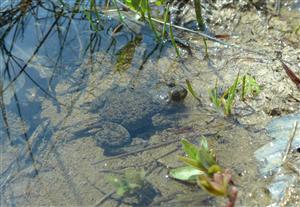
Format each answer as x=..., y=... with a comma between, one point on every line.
x=130, y=183
x=125, y=55
x=132, y=187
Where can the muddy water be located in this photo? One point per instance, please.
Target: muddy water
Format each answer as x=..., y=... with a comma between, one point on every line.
x=42, y=163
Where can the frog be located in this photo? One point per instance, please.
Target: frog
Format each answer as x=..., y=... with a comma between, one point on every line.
x=125, y=113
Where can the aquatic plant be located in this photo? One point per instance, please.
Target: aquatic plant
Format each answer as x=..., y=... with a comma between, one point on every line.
x=129, y=183
x=227, y=99
x=89, y=15
x=192, y=91
x=173, y=41
x=126, y=184
x=200, y=22
x=249, y=86
x=142, y=7
x=132, y=187
x=202, y=168
x=138, y=5
x=246, y=84
x=214, y=96
x=125, y=55
x=199, y=17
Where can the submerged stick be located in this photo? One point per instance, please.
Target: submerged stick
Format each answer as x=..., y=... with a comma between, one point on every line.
x=289, y=145
x=293, y=167
x=202, y=34
x=104, y=198
x=136, y=151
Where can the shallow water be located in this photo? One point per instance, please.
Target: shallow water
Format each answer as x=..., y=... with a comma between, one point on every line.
x=54, y=65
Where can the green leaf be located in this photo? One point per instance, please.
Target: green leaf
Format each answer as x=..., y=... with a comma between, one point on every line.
x=121, y=191
x=243, y=87
x=190, y=149
x=203, y=143
x=159, y=2
x=166, y=17
x=205, y=158
x=193, y=163
x=249, y=86
x=211, y=187
x=232, y=90
x=228, y=97
x=186, y=173
x=214, y=169
x=129, y=182
x=114, y=180
x=199, y=17
x=90, y=20
x=147, y=10
x=213, y=95
x=173, y=40
x=144, y=5
x=191, y=90
x=136, y=3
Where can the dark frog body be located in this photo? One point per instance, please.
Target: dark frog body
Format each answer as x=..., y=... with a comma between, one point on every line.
x=125, y=113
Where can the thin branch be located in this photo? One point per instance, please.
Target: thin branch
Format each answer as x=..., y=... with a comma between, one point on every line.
x=104, y=198
x=137, y=151
x=209, y=37
x=289, y=145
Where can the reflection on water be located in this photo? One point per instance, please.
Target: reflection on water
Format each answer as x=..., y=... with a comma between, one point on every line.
x=49, y=78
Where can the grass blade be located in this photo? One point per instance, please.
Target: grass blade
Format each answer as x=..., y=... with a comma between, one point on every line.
x=192, y=91
x=198, y=12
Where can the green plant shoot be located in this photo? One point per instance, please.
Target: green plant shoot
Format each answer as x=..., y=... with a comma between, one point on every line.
x=192, y=91
x=249, y=86
x=200, y=157
x=203, y=169
x=214, y=97
x=228, y=97
x=128, y=183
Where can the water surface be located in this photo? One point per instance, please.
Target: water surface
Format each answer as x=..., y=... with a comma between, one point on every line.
x=54, y=63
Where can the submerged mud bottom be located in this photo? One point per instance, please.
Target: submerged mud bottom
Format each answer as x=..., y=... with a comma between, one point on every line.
x=121, y=140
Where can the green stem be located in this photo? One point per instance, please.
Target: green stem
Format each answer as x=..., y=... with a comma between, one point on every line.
x=206, y=48
x=173, y=41
x=151, y=22
x=119, y=13
x=166, y=19
x=243, y=88
x=199, y=15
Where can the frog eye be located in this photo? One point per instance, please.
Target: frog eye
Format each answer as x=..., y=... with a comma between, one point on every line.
x=178, y=94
